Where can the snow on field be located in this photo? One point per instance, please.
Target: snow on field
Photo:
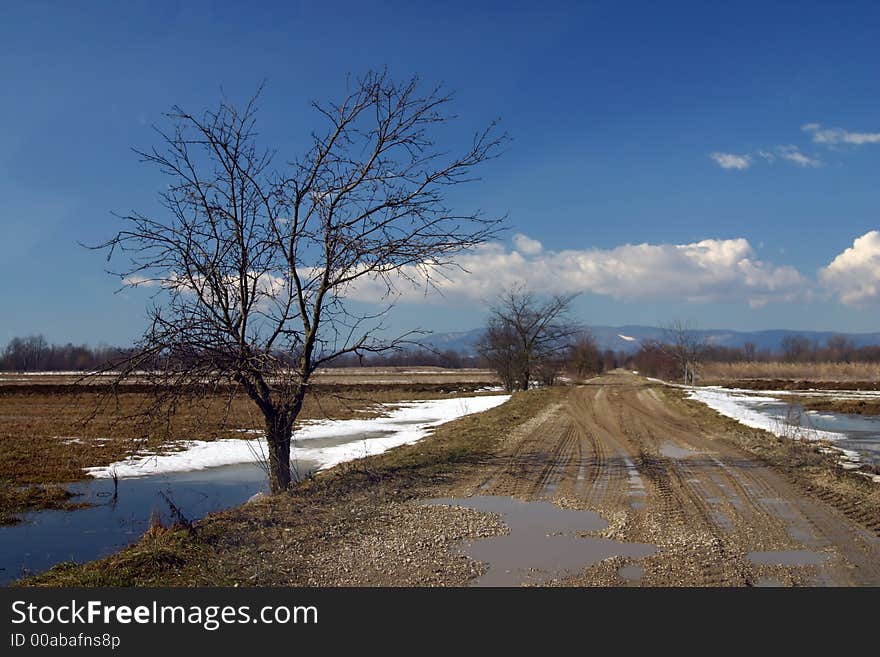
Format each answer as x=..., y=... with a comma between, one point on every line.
x=332, y=441
x=852, y=393
x=745, y=408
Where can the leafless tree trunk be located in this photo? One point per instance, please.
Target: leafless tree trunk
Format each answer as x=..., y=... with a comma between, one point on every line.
x=524, y=333
x=252, y=265
x=683, y=342
x=584, y=357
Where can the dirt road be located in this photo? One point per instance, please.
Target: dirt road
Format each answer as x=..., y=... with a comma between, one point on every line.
x=662, y=476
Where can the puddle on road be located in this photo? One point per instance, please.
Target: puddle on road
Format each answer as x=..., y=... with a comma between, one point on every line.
x=631, y=573
x=543, y=543
x=720, y=517
x=675, y=452
x=788, y=558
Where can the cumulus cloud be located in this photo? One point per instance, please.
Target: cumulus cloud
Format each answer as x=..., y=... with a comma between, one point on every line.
x=835, y=136
x=526, y=245
x=854, y=275
x=705, y=271
x=731, y=160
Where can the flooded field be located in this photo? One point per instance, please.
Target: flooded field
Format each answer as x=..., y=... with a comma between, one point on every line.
x=45, y=538
x=858, y=435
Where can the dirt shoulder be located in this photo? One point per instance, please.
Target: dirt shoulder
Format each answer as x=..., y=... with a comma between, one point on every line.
x=662, y=470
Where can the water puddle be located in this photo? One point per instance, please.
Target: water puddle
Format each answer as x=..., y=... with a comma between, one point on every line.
x=675, y=452
x=636, y=486
x=722, y=520
x=631, y=573
x=788, y=558
x=544, y=542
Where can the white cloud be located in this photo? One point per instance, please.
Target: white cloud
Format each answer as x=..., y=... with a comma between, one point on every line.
x=854, y=275
x=788, y=152
x=834, y=136
x=526, y=245
x=705, y=271
x=793, y=154
x=137, y=280
x=731, y=160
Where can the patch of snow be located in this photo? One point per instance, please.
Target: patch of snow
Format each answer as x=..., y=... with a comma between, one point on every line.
x=407, y=422
x=628, y=338
x=744, y=409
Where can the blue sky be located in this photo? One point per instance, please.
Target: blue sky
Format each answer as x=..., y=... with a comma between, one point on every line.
x=621, y=114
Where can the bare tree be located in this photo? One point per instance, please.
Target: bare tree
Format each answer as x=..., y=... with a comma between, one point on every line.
x=253, y=264
x=498, y=346
x=584, y=357
x=525, y=334
x=683, y=342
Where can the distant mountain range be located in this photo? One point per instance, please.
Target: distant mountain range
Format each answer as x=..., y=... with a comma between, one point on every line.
x=630, y=338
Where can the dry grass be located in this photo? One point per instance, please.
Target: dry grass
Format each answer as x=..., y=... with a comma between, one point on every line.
x=832, y=405
x=18, y=499
x=329, y=376
x=44, y=439
x=782, y=370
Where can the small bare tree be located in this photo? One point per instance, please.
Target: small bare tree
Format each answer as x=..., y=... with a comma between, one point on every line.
x=584, y=357
x=524, y=335
x=253, y=265
x=683, y=342
x=498, y=346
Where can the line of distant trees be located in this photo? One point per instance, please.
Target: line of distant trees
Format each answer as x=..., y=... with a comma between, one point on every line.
x=660, y=360
x=34, y=354
x=580, y=357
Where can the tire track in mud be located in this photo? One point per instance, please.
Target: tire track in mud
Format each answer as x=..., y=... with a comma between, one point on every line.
x=613, y=475
x=768, y=510
x=736, y=486
x=617, y=446
x=529, y=467
x=685, y=508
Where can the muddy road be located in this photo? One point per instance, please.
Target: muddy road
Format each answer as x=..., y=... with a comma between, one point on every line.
x=661, y=476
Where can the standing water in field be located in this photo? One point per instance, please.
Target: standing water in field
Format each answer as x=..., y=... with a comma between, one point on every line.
x=204, y=477
x=857, y=435
x=45, y=538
